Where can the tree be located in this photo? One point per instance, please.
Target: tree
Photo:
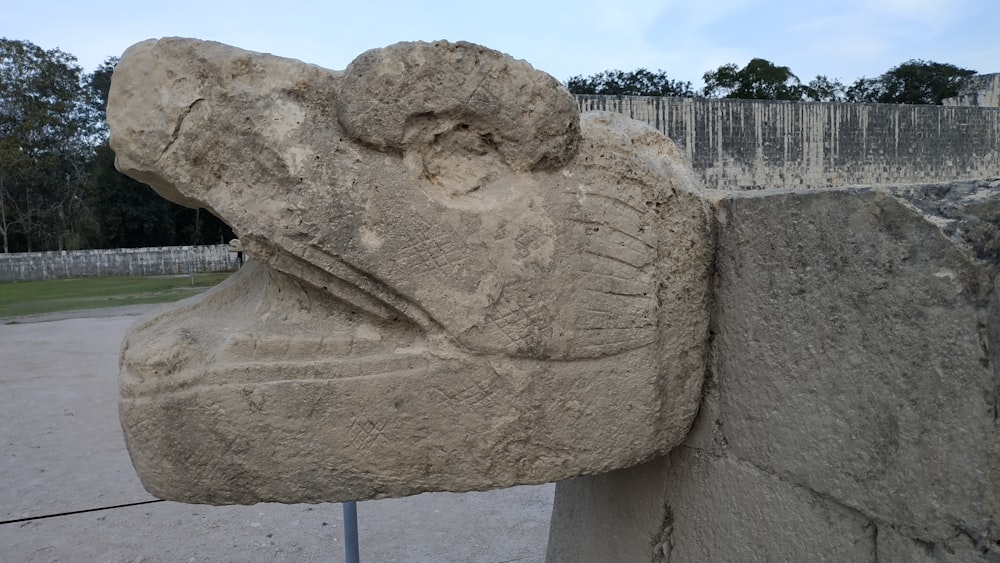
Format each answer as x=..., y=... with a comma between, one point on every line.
x=823, y=89
x=45, y=129
x=98, y=85
x=128, y=214
x=864, y=90
x=640, y=82
x=913, y=82
x=760, y=79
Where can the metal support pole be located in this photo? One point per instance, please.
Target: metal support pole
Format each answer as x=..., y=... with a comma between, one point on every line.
x=351, y=551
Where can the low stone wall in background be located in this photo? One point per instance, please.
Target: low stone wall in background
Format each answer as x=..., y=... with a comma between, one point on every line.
x=162, y=260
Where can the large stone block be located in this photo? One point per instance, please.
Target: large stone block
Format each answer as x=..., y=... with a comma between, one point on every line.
x=855, y=352
x=691, y=506
x=850, y=411
x=459, y=283
x=616, y=516
x=729, y=510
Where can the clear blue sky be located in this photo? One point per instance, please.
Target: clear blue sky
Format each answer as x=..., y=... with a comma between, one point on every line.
x=843, y=39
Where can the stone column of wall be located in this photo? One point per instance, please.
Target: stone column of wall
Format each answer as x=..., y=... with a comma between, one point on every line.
x=851, y=411
x=154, y=261
x=750, y=144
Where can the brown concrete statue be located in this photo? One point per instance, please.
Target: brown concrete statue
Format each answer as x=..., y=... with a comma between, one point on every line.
x=457, y=282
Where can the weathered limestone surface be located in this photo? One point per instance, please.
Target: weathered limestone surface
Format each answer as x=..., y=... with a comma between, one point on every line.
x=624, y=511
x=691, y=506
x=851, y=411
x=458, y=282
x=981, y=90
x=853, y=355
x=766, y=144
x=894, y=547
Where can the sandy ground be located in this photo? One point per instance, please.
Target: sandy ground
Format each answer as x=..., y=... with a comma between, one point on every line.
x=62, y=452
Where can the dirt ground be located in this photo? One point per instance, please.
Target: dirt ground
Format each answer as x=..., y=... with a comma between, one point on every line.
x=63, y=452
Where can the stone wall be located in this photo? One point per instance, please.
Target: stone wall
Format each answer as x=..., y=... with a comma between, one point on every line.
x=851, y=409
x=755, y=144
x=981, y=90
x=164, y=260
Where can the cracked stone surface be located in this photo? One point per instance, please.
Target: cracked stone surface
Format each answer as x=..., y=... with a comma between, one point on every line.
x=853, y=356
x=894, y=547
x=457, y=281
x=764, y=513
x=692, y=506
x=851, y=409
x=615, y=516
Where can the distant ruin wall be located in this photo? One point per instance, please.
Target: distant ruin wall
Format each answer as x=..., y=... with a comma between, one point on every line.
x=163, y=260
x=981, y=90
x=757, y=144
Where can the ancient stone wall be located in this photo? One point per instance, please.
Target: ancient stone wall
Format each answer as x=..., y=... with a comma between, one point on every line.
x=850, y=412
x=755, y=144
x=982, y=90
x=163, y=260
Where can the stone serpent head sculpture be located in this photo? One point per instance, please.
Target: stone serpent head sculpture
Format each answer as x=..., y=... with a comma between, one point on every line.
x=458, y=283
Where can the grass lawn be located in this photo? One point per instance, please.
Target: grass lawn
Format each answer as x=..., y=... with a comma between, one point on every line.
x=37, y=297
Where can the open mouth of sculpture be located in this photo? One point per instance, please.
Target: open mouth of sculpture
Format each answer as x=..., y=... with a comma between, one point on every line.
x=351, y=285
x=293, y=331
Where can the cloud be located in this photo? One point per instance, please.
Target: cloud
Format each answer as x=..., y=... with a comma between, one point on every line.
x=937, y=14
x=866, y=37
x=850, y=39
x=915, y=9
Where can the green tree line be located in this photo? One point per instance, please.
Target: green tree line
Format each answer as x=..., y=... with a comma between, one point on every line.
x=59, y=189
x=912, y=82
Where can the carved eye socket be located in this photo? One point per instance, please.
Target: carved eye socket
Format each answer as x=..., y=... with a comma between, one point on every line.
x=459, y=162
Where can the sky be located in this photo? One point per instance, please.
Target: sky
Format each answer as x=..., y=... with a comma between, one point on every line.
x=844, y=39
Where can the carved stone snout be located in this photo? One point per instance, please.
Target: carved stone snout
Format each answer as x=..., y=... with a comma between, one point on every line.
x=458, y=282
